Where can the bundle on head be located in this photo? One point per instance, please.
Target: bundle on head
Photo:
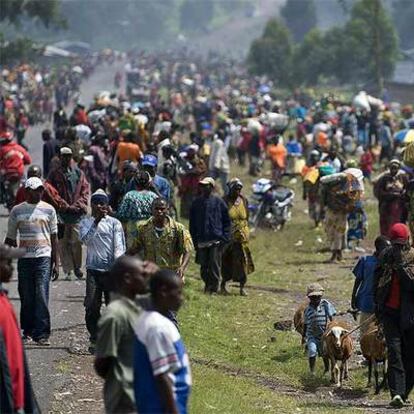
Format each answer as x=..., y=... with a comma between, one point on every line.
x=374, y=350
x=337, y=346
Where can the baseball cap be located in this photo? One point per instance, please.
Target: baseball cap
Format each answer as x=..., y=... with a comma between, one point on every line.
x=208, y=181
x=33, y=183
x=399, y=233
x=315, y=289
x=65, y=151
x=150, y=160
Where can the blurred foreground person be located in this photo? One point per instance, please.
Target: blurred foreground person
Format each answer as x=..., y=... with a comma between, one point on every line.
x=34, y=222
x=162, y=377
x=237, y=260
x=16, y=394
x=394, y=299
x=128, y=277
x=105, y=242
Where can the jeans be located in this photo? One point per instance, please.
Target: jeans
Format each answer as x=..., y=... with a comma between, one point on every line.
x=210, y=266
x=400, y=345
x=95, y=288
x=33, y=286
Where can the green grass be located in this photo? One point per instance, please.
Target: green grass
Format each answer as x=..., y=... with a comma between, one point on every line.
x=236, y=333
x=215, y=392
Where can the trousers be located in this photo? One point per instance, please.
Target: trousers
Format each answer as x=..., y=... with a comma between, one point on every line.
x=400, y=346
x=70, y=248
x=209, y=259
x=95, y=289
x=33, y=287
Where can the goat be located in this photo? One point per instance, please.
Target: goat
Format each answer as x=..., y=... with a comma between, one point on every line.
x=337, y=346
x=299, y=318
x=374, y=350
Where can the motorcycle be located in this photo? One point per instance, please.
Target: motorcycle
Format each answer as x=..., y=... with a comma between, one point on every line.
x=271, y=205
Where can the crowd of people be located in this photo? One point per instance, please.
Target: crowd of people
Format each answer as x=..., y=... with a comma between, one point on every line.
x=121, y=177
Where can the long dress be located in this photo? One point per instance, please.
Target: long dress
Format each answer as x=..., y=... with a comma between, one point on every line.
x=390, y=191
x=237, y=260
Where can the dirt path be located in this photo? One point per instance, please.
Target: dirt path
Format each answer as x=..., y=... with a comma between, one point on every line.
x=48, y=364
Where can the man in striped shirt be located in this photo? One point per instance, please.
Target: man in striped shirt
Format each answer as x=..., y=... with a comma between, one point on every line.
x=35, y=222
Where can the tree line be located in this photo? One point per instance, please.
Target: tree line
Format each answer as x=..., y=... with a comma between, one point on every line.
x=362, y=51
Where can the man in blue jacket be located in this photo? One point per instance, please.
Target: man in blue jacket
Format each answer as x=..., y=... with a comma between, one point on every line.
x=210, y=231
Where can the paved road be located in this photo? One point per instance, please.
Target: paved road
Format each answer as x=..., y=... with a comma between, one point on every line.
x=66, y=298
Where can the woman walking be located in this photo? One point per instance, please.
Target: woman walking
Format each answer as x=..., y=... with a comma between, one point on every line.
x=237, y=260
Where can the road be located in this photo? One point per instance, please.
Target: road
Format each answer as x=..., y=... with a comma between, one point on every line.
x=66, y=298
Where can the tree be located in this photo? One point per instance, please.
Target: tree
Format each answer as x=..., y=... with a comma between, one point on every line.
x=271, y=54
x=45, y=11
x=372, y=42
x=196, y=15
x=404, y=20
x=300, y=17
x=13, y=12
x=310, y=58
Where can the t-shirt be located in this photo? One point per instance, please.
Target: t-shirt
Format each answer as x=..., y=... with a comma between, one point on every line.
x=158, y=350
x=317, y=318
x=115, y=339
x=364, y=272
x=10, y=334
x=35, y=223
x=394, y=297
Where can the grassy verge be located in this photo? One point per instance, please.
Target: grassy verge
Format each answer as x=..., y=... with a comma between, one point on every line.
x=237, y=332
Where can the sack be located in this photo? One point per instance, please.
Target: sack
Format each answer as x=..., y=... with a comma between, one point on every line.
x=408, y=156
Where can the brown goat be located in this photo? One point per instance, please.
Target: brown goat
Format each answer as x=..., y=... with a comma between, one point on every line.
x=337, y=346
x=374, y=350
x=299, y=318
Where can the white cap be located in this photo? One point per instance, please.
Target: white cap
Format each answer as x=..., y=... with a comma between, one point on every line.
x=33, y=183
x=65, y=151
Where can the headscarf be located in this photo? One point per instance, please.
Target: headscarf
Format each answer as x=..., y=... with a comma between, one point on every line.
x=234, y=182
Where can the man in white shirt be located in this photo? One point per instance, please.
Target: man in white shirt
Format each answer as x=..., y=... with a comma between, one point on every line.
x=105, y=242
x=35, y=222
x=219, y=163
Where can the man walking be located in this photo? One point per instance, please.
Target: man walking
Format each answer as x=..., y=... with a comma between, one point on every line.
x=210, y=230
x=105, y=242
x=115, y=342
x=36, y=224
x=163, y=240
x=394, y=299
x=73, y=187
x=162, y=377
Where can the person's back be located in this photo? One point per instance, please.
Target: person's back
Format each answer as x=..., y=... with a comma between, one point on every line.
x=13, y=158
x=159, y=349
x=115, y=340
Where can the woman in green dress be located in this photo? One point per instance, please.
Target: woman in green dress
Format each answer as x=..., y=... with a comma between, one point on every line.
x=237, y=260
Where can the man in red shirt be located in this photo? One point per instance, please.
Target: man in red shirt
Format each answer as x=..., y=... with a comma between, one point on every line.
x=15, y=389
x=13, y=158
x=394, y=299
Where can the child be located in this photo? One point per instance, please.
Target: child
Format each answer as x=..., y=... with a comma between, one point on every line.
x=363, y=292
x=316, y=316
x=357, y=227
x=365, y=163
